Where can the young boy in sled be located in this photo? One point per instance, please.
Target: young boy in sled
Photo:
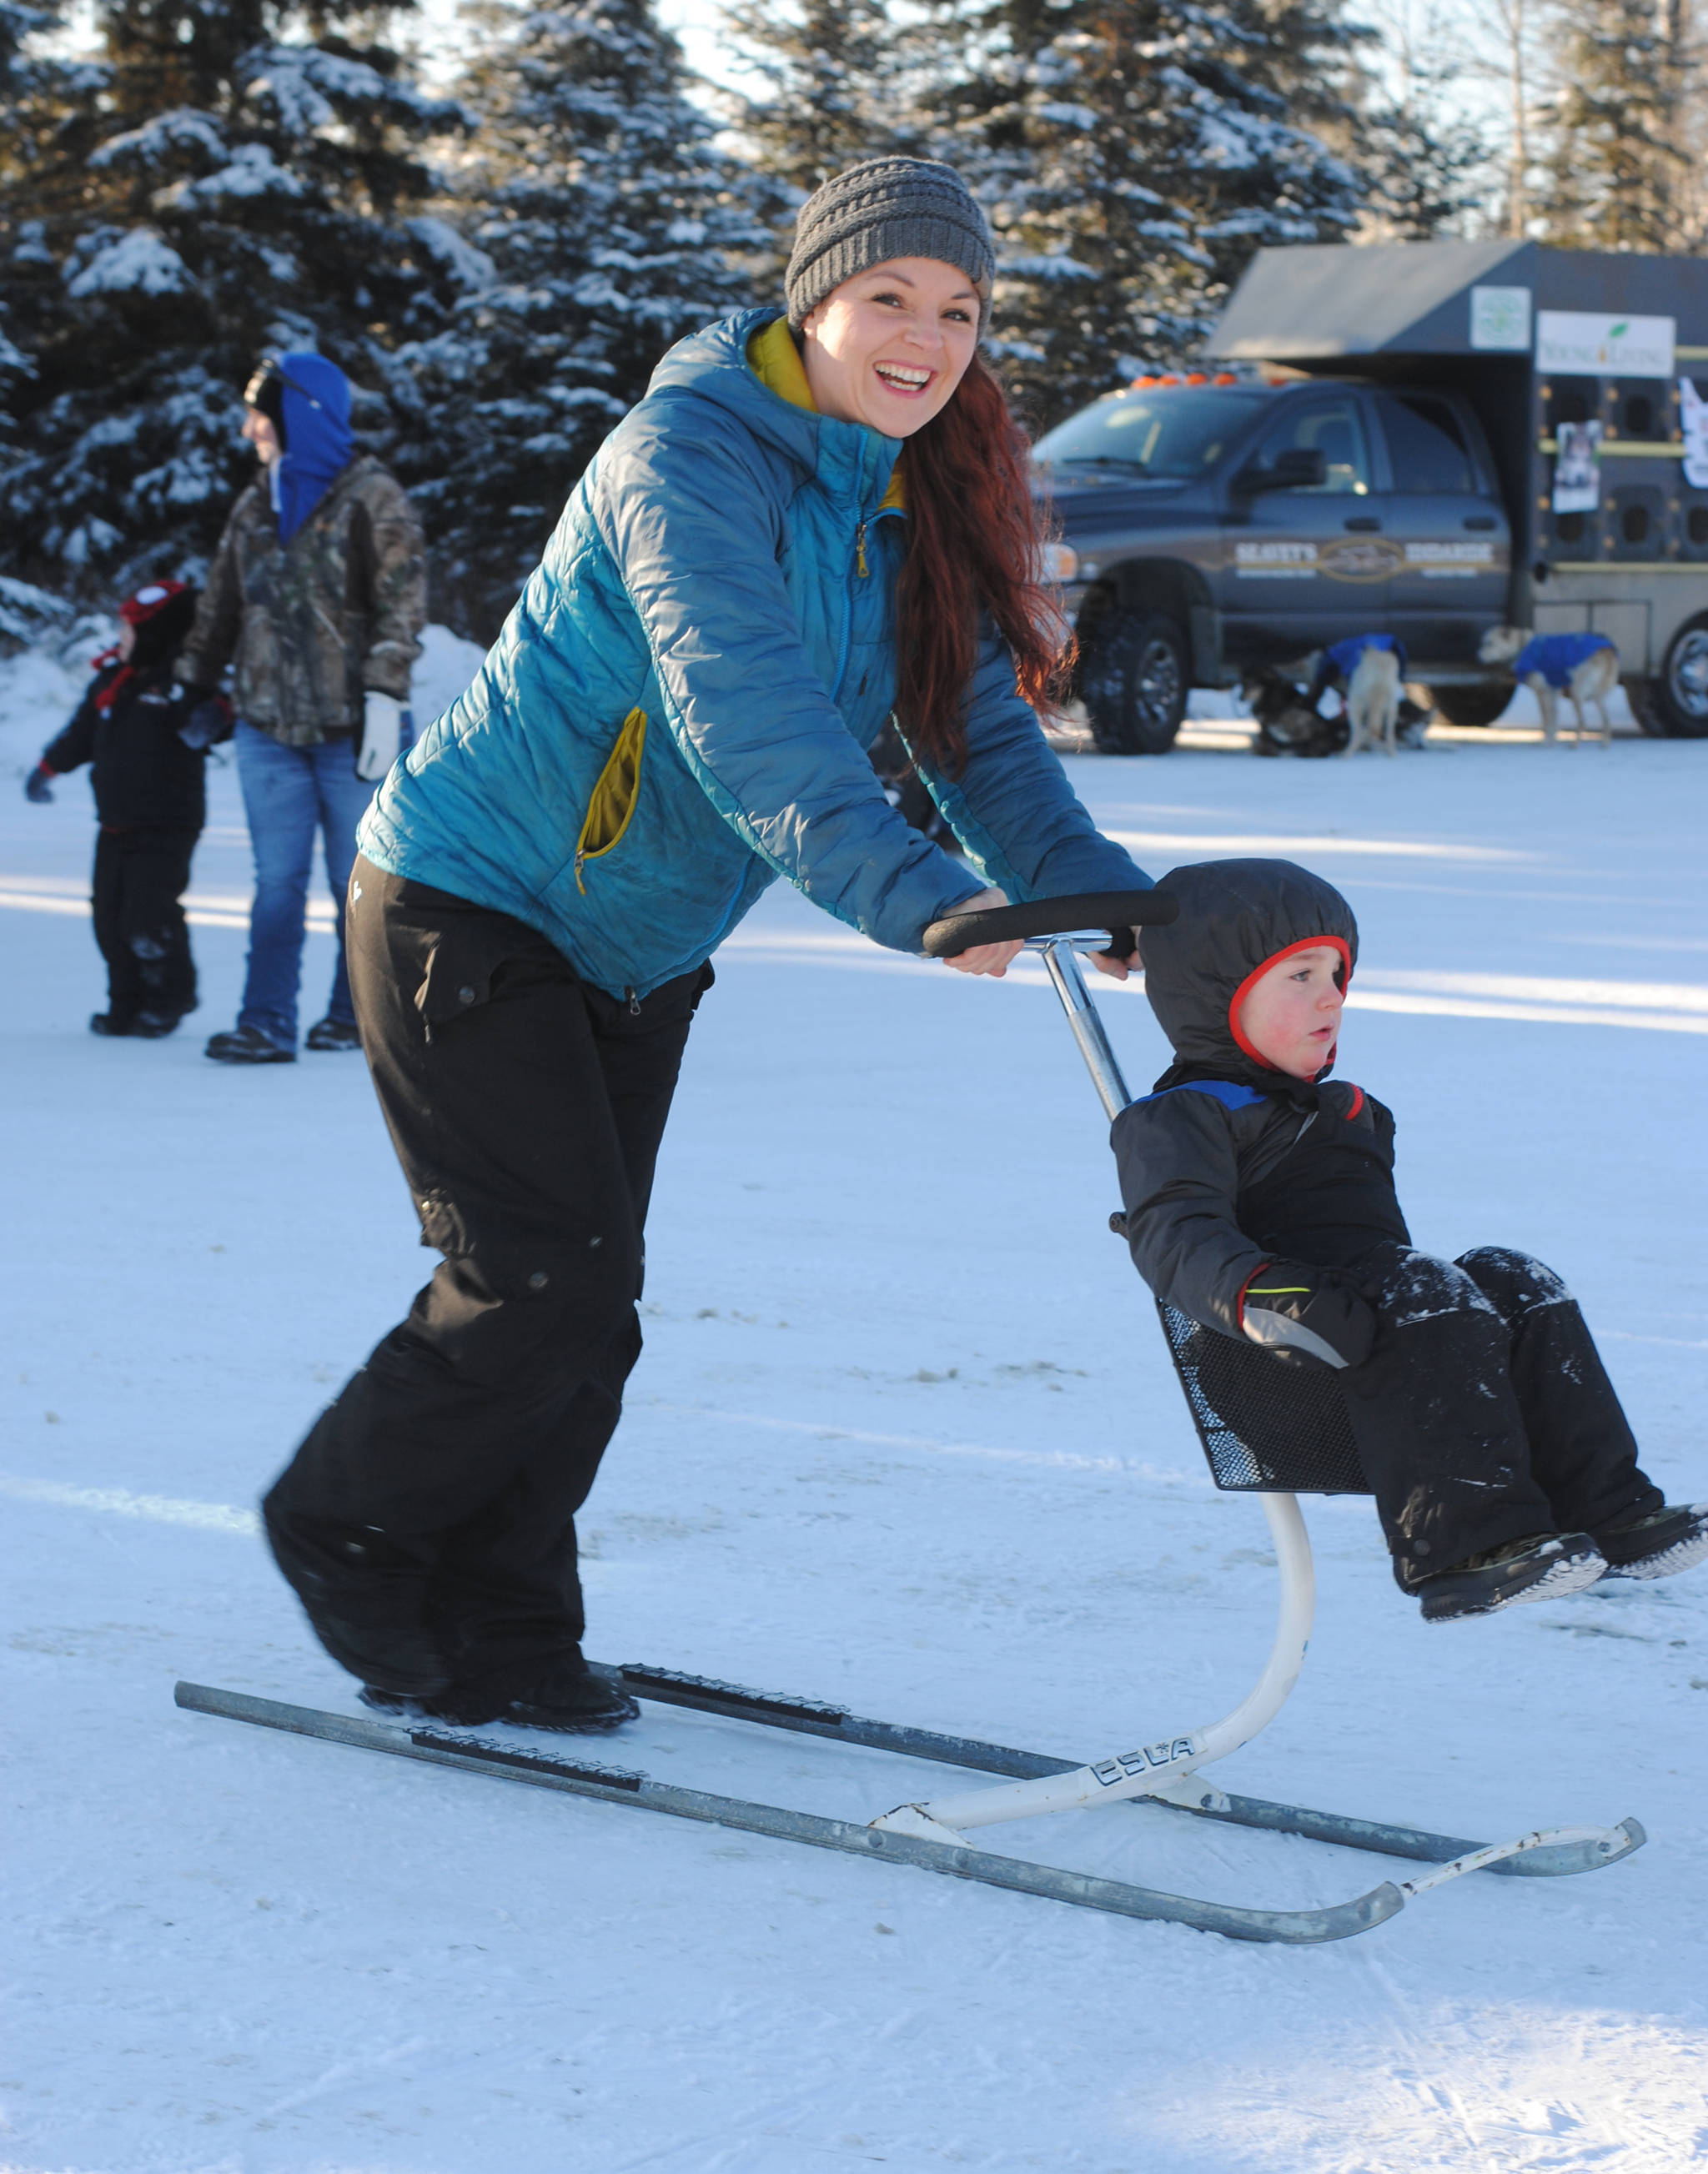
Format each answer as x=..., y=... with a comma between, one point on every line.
x=1259, y=1201
x=148, y=739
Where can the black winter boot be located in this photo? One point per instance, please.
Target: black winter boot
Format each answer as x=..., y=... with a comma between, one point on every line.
x=243, y=1046
x=561, y=1694
x=1658, y=1546
x=110, y=1025
x=1545, y=1567
x=333, y=1034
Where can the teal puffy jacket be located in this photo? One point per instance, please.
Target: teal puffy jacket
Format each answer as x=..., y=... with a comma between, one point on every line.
x=676, y=709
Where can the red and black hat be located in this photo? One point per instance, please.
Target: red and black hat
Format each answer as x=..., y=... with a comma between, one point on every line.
x=162, y=613
x=149, y=601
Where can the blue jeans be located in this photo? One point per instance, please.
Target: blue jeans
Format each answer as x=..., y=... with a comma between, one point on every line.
x=288, y=793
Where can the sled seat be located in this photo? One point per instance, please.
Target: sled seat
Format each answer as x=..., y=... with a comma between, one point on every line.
x=1269, y=1423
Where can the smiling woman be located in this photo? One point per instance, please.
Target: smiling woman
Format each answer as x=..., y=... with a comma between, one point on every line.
x=813, y=522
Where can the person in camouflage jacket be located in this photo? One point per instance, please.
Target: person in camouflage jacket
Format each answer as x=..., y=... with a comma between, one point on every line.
x=317, y=595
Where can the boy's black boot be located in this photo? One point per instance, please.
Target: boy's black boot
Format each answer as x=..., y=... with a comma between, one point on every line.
x=110, y=1025
x=560, y=1693
x=1659, y=1545
x=1543, y=1566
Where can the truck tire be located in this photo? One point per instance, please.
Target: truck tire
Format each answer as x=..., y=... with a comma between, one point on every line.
x=1468, y=706
x=1677, y=697
x=1134, y=683
x=1644, y=696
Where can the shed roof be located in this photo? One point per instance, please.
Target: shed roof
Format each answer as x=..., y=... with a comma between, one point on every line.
x=1320, y=302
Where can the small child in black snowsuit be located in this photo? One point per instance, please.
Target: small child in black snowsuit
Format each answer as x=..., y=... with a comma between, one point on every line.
x=135, y=725
x=1259, y=1201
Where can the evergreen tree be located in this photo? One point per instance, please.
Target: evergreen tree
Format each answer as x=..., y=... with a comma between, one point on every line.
x=207, y=189
x=1133, y=154
x=1621, y=175
x=1428, y=169
x=837, y=76
x=593, y=225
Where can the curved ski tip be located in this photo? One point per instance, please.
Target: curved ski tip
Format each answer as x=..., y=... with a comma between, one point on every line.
x=1341, y=1921
x=1589, y=1853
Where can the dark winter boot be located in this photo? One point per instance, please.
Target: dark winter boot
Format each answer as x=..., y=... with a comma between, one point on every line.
x=561, y=1694
x=365, y=1598
x=109, y=1025
x=243, y=1046
x=154, y=1026
x=1545, y=1567
x=334, y=1034
x=1658, y=1546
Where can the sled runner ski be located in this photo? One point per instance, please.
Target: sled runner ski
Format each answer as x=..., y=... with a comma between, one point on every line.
x=1269, y=1431
x=1577, y=1849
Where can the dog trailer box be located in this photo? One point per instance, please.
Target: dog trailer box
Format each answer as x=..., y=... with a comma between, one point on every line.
x=1589, y=374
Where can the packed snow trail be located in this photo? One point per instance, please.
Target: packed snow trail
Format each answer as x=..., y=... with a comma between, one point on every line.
x=904, y=1437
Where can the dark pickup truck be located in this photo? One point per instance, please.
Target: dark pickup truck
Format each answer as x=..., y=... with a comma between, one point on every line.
x=1211, y=526
x=1424, y=439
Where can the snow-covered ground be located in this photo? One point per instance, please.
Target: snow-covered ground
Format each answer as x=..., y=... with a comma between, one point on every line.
x=903, y=1437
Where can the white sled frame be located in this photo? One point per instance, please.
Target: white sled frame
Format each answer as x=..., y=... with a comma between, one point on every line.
x=1162, y=1767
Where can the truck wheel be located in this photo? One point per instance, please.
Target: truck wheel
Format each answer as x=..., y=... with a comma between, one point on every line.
x=1470, y=706
x=1644, y=696
x=1134, y=683
x=1680, y=694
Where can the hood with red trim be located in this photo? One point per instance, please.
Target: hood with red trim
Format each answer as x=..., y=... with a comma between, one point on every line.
x=1235, y=916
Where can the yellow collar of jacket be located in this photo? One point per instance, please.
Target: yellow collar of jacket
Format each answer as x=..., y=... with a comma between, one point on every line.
x=776, y=361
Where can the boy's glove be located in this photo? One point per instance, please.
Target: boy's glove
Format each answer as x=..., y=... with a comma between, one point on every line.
x=1288, y=1306
x=38, y=785
x=384, y=722
x=210, y=721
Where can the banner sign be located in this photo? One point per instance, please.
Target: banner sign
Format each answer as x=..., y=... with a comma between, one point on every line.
x=1693, y=415
x=1584, y=343
x=1577, y=467
x=1501, y=318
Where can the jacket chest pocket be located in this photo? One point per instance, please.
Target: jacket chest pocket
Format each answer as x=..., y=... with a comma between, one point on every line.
x=611, y=807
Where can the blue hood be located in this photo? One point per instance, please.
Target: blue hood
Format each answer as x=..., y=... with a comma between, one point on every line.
x=316, y=435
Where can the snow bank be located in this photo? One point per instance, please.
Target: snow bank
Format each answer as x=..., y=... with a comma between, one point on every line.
x=903, y=1436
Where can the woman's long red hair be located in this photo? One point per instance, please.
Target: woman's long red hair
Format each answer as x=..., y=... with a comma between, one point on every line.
x=975, y=540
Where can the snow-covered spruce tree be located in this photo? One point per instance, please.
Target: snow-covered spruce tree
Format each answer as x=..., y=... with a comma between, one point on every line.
x=1132, y=156
x=208, y=187
x=590, y=223
x=836, y=78
x=1621, y=175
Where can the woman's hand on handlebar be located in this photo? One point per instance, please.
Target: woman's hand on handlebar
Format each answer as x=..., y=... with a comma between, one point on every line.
x=993, y=959
x=1105, y=962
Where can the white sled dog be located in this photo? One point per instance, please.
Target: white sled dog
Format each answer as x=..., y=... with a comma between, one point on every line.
x=1373, y=702
x=1592, y=679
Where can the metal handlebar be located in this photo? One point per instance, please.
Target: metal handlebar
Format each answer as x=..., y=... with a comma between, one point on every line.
x=1110, y=909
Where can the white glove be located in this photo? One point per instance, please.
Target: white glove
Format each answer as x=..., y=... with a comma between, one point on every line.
x=383, y=720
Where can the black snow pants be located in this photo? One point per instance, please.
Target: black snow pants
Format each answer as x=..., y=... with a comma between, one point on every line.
x=526, y=1109
x=1483, y=1412
x=140, y=878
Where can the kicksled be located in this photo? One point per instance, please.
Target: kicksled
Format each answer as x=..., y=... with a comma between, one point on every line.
x=1274, y=1438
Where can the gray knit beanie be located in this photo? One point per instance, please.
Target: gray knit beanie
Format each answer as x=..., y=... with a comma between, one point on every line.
x=882, y=208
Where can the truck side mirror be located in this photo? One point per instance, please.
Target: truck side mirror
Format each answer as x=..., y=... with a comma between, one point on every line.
x=1297, y=468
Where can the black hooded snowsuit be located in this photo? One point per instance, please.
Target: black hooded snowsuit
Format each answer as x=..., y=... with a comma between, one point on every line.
x=1483, y=1412
x=149, y=801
